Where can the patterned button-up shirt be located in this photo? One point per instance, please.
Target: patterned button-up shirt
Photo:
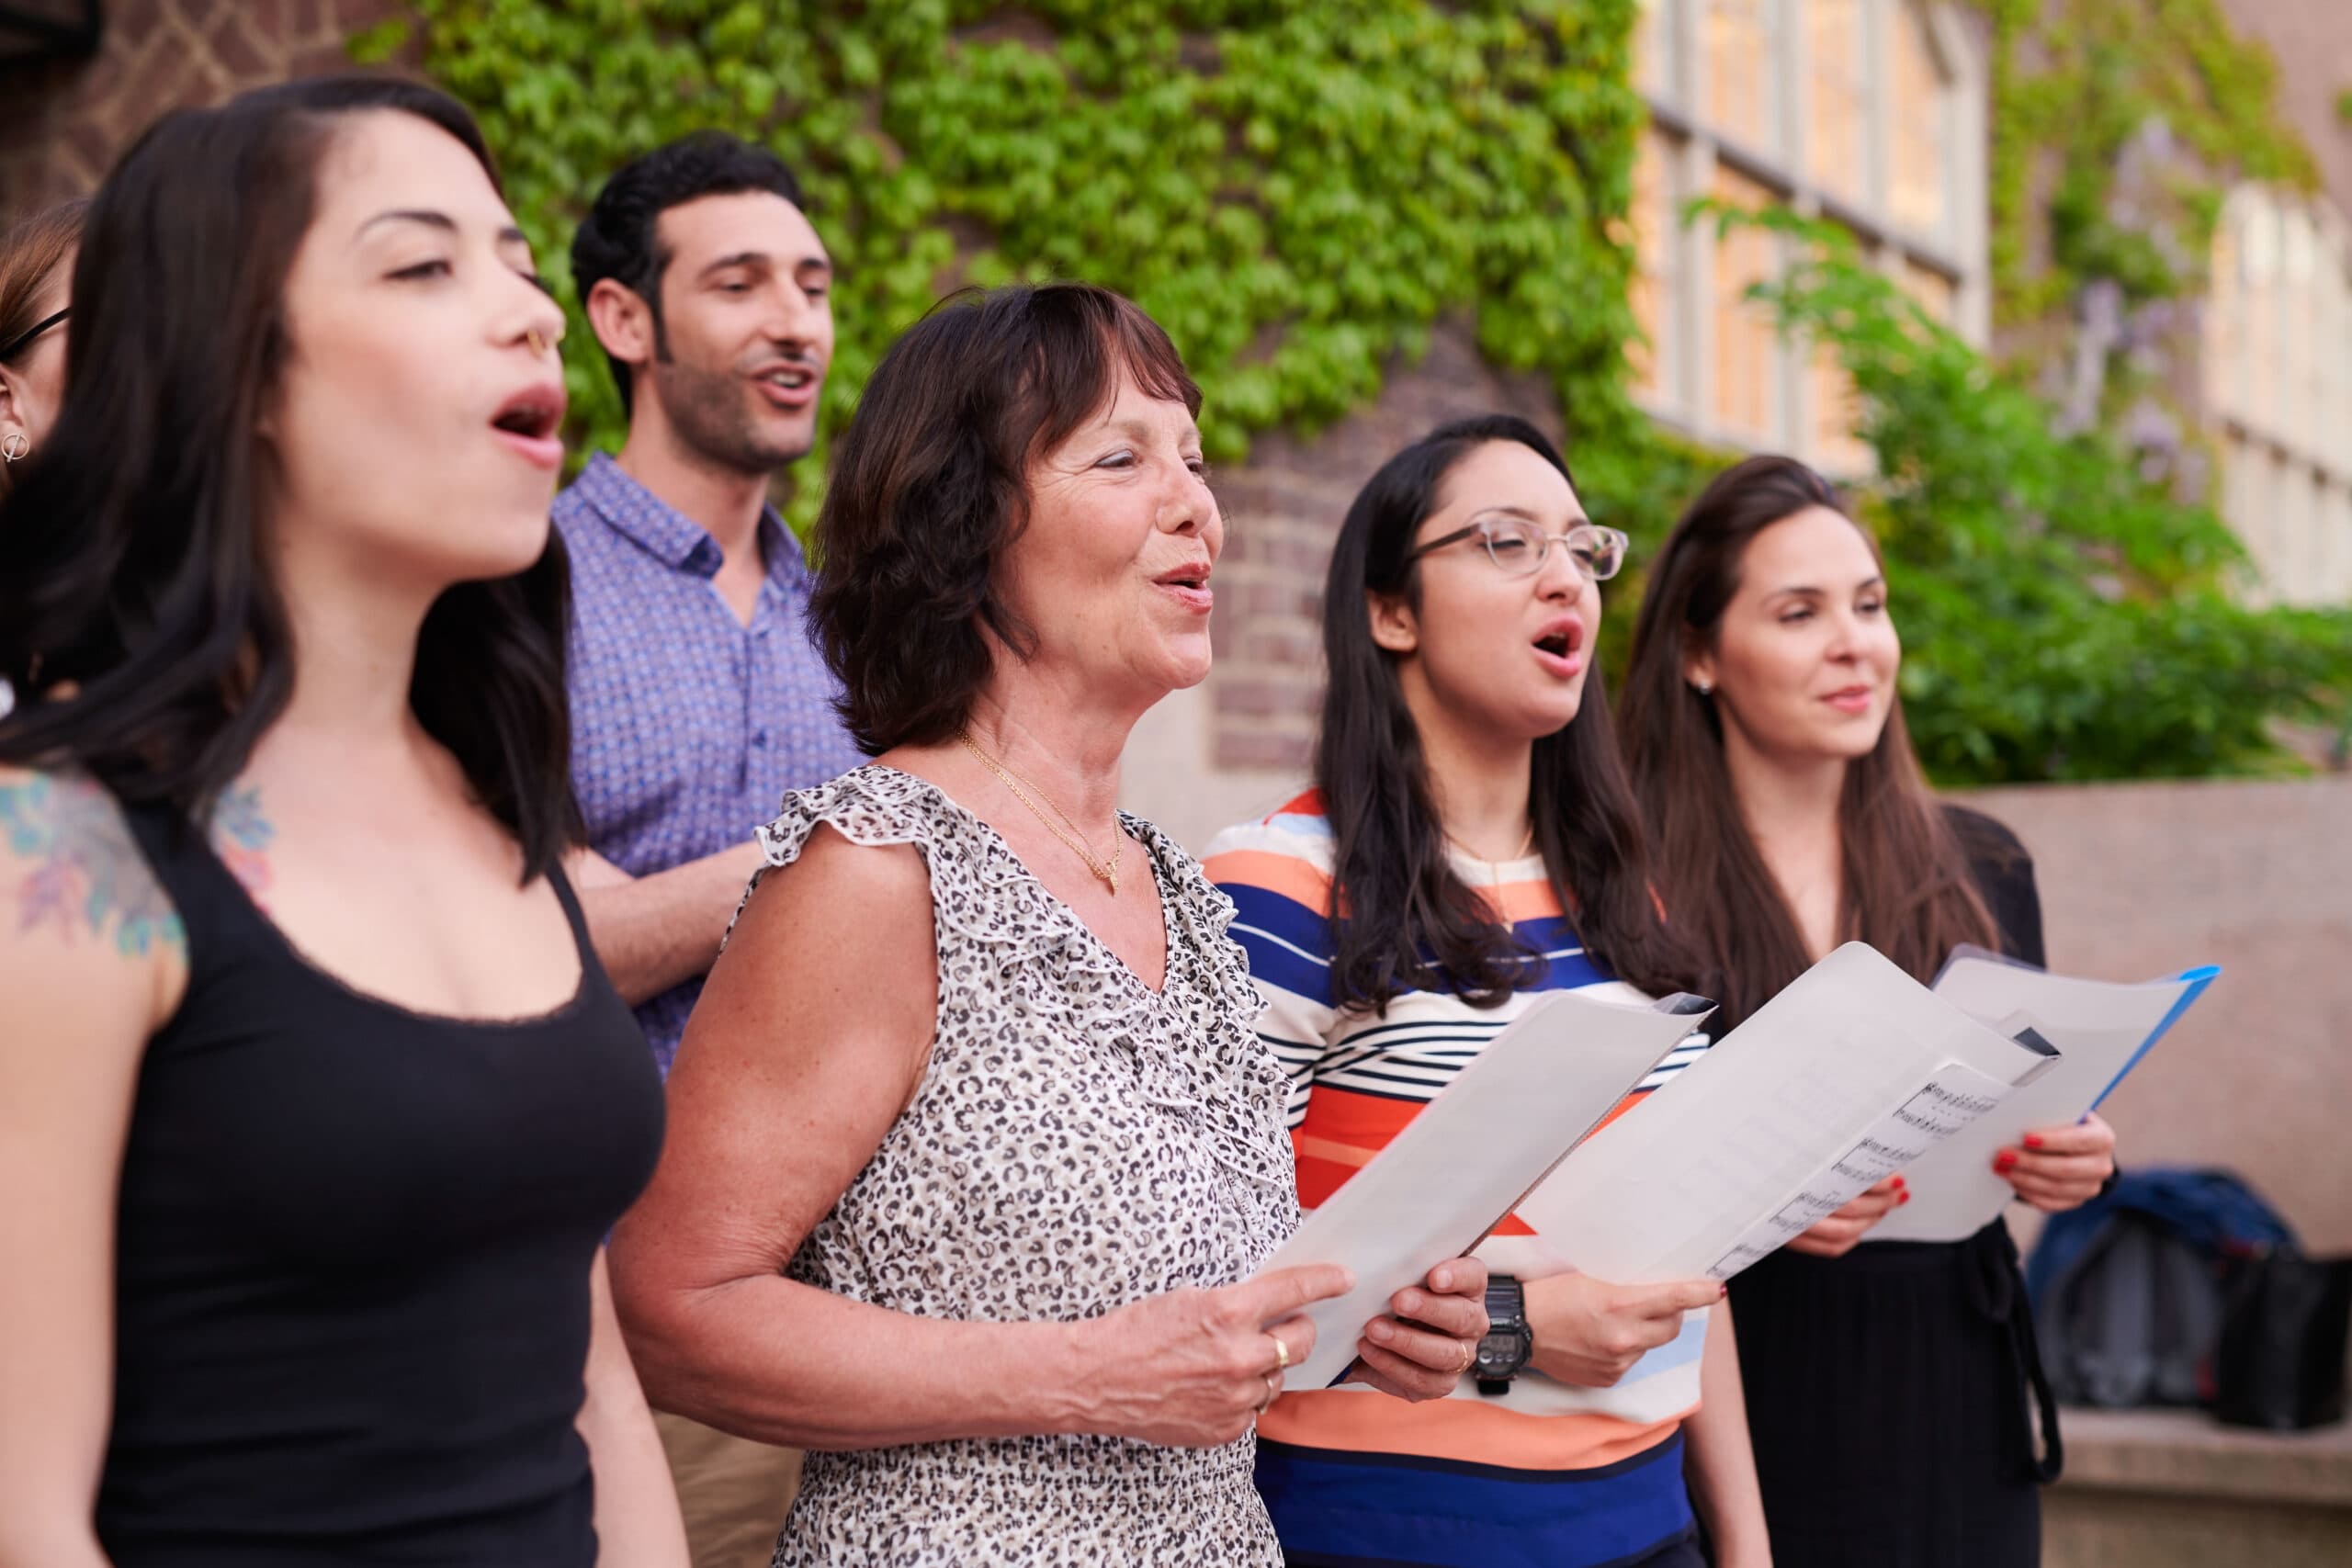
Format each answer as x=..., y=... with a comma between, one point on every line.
x=687, y=726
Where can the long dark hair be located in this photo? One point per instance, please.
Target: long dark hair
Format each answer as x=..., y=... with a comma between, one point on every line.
x=1907, y=890
x=132, y=559
x=1402, y=919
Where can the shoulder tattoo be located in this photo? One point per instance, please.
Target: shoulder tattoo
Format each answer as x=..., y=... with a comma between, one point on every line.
x=241, y=837
x=77, y=871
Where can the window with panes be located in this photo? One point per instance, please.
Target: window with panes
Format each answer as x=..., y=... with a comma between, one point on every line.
x=1861, y=111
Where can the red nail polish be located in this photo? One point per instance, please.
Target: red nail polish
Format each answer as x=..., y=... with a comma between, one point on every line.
x=1904, y=1198
x=2032, y=1140
x=2005, y=1161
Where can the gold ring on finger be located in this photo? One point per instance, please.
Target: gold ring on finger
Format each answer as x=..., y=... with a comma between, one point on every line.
x=1282, y=1351
x=1273, y=1392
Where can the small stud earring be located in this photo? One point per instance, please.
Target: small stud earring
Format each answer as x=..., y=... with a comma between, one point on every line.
x=1702, y=688
x=14, y=448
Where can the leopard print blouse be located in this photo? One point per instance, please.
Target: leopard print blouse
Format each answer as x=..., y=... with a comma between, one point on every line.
x=1077, y=1143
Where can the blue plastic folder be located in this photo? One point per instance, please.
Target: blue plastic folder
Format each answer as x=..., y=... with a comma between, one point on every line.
x=2102, y=1031
x=2193, y=983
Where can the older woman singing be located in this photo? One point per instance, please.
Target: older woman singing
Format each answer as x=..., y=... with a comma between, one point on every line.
x=971, y=1142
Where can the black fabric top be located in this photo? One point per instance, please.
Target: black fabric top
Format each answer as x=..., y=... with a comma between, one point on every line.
x=2004, y=874
x=353, y=1260
x=1888, y=1390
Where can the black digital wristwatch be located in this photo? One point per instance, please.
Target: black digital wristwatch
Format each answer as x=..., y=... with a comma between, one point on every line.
x=1508, y=1341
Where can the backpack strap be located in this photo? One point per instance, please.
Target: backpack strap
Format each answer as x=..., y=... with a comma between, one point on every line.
x=1996, y=1290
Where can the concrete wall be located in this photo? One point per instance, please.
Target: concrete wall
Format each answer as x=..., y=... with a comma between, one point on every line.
x=2256, y=876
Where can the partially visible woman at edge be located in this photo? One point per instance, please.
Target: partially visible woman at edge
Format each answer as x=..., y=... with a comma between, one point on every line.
x=36, y=274
x=1887, y=1385
x=1468, y=797
x=314, y=1104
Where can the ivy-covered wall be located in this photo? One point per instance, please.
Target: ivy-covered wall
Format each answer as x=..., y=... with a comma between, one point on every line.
x=1296, y=192
x=2118, y=128
x=1302, y=193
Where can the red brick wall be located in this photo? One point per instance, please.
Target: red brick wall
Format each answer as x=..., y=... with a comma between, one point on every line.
x=1283, y=509
x=62, y=125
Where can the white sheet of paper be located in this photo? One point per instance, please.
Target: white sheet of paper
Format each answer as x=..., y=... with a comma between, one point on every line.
x=2101, y=1029
x=1460, y=1166
x=1853, y=1064
x=1945, y=1104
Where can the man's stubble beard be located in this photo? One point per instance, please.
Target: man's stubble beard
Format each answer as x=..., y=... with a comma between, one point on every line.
x=706, y=409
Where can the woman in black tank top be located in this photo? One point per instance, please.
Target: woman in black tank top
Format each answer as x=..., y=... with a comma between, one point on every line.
x=315, y=1105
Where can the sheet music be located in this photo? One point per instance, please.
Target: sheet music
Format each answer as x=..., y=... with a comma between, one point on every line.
x=1471, y=1155
x=1691, y=1181
x=2101, y=1031
x=1947, y=1102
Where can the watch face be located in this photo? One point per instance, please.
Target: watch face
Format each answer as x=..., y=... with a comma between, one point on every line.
x=1502, y=1353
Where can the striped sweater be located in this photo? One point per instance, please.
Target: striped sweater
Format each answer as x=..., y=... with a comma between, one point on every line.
x=1547, y=1475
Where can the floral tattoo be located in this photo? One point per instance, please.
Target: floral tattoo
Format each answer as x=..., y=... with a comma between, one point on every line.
x=83, y=873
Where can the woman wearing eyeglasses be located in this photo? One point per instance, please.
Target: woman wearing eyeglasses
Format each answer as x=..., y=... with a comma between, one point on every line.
x=36, y=276
x=1472, y=819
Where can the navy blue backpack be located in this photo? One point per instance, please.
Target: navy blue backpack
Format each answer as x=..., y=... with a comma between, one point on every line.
x=2130, y=1291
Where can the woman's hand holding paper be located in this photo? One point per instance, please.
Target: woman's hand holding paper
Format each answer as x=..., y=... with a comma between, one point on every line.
x=1590, y=1332
x=1431, y=1336
x=1836, y=1236
x=2059, y=1168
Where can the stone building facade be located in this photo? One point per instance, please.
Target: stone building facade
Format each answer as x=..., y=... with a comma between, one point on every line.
x=2274, y=388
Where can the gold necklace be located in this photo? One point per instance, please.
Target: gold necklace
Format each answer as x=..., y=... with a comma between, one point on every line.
x=1493, y=868
x=1074, y=841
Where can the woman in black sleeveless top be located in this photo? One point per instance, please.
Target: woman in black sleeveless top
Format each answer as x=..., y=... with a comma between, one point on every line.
x=1888, y=1385
x=315, y=1106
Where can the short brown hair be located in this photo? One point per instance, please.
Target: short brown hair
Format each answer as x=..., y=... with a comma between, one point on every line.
x=930, y=482
x=30, y=252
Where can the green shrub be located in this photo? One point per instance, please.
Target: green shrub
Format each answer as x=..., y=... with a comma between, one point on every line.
x=2063, y=618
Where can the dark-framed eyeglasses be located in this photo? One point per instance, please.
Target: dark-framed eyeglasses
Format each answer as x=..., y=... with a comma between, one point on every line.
x=22, y=339
x=1518, y=547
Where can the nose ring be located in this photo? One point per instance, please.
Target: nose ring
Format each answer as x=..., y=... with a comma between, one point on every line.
x=538, y=341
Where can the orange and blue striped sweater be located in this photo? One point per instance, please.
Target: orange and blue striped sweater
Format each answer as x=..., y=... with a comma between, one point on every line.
x=1547, y=1474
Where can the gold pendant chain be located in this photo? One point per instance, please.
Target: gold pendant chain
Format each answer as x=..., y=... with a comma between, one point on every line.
x=1074, y=841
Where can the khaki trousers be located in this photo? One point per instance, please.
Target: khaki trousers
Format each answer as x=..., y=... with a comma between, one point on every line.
x=733, y=1492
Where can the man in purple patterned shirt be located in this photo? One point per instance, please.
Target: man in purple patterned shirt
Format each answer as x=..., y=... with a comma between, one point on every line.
x=697, y=697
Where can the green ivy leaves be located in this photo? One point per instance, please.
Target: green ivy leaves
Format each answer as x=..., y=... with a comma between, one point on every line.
x=1296, y=192
x=2073, y=82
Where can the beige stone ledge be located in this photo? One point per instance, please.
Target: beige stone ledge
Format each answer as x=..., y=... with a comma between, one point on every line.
x=2187, y=1451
